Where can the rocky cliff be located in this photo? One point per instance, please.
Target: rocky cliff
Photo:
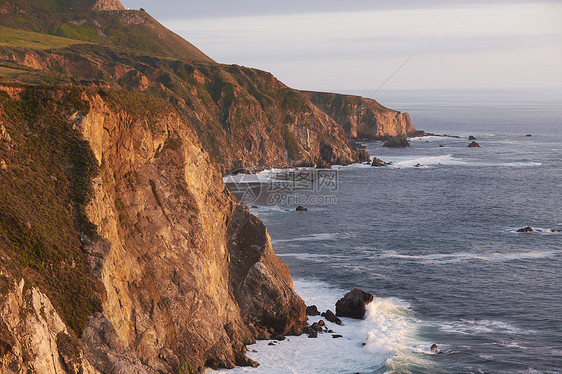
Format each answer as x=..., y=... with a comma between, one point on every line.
x=121, y=249
x=243, y=117
x=363, y=118
x=184, y=275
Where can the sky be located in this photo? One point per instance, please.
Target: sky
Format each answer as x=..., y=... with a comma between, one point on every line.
x=343, y=45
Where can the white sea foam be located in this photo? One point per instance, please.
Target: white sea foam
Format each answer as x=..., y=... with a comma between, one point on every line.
x=448, y=258
x=388, y=332
x=471, y=327
x=311, y=237
x=412, y=161
x=536, y=230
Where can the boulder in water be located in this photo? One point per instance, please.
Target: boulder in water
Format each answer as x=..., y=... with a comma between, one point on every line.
x=526, y=229
x=331, y=317
x=397, y=142
x=435, y=349
x=312, y=311
x=471, y=137
x=378, y=162
x=353, y=304
x=474, y=145
x=301, y=208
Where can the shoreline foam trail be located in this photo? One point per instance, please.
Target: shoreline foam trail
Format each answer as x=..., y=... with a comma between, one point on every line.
x=385, y=338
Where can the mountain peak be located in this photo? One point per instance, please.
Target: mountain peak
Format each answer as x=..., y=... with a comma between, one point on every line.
x=108, y=5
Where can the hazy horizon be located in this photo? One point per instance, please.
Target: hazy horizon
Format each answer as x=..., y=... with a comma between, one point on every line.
x=359, y=45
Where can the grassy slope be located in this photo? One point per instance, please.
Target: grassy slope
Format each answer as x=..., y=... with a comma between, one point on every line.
x=44, y=190
x=15, y=38
x=128, y=30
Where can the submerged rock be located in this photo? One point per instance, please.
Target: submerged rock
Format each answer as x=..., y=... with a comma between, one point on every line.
x=474, y=145
x=397, y=142
x=526, y=229
x=471, y=137
x=301, y=208
x=353, y=304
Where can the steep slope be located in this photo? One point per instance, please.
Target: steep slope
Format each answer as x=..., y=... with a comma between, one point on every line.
x=244, y=117
x=363, y=118
x=174, y=259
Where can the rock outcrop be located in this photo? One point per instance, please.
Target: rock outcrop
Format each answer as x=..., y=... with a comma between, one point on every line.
x=353, y=304
x=33, y=337
x=108, y=5
x=397, y=142
x=473, y=145
x=363, y=118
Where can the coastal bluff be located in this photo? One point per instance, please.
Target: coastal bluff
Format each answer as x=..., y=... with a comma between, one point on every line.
x=363, y=118
x=121, y=249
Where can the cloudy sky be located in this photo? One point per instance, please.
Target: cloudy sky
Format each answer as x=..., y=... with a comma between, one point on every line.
x=360, y=44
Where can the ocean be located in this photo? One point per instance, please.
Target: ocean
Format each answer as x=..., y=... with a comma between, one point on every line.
x=434, y=238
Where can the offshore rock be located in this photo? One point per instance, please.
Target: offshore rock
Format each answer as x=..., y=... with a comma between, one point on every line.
x=473, y=145
x=353, y=304
x=312, y=311
x=397, y=142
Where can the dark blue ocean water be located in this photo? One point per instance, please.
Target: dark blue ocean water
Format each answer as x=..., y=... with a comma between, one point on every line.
x=442, y=239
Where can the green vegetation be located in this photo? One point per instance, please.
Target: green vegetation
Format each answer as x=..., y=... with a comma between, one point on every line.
x=119, y=205
x=67, y=346
x=44, y=192
x=171, y=143
x=293, y=100
x=185, y=368
x=54, y=6
x=10, y=73
x=291, y=144
x=26, y=39
x=81, y=32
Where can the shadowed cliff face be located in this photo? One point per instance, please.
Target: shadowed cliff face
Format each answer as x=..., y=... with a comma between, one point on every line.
x=363, y=118
x=176, y=254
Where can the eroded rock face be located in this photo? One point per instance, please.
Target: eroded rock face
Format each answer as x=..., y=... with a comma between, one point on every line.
x=32, y=336
x=260, y=281
x=188, y=272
